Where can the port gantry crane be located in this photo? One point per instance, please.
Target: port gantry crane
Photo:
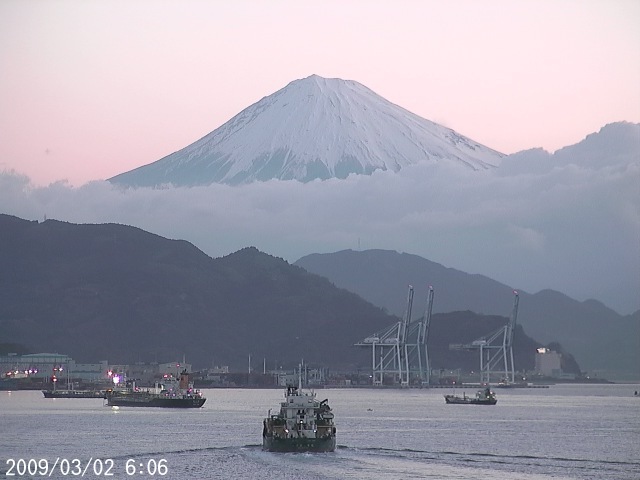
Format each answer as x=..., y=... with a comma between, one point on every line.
x=396, y=349
x=423, y=340
x=496, y=349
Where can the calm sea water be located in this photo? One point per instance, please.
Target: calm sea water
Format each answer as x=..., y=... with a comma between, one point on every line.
x=563, y=432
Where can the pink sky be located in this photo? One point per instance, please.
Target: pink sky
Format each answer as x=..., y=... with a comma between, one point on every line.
x=92, y=89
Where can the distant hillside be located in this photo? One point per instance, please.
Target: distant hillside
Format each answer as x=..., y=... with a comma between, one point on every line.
x=465, y=327
x=11, y=348
x=118, y=293
x=598, y=337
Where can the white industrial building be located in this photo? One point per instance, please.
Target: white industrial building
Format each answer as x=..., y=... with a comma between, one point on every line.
x=548, y=363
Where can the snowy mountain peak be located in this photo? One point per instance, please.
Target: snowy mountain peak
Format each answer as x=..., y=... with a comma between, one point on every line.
x=314, y=128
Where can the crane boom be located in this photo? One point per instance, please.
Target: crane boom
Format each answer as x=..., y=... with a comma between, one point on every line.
x=407, y=316
x=424, y=330
x=513, y=319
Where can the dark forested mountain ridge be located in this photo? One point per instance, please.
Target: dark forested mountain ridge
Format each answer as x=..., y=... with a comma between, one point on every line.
x=118, y=293
x=598, y=337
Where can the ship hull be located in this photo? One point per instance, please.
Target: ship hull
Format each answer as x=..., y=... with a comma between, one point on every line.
x=162, y=402
x=469, y=401
x=73, y=394
x=319, y=445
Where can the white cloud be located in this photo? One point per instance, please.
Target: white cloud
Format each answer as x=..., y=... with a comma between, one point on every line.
x=527, y=238
x=564, y=227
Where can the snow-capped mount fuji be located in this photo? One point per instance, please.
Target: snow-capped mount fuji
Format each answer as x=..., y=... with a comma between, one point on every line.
x=314, y=128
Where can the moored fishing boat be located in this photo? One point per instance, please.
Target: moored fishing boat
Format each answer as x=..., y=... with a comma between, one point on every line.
x=168, y=394
x=303, y=424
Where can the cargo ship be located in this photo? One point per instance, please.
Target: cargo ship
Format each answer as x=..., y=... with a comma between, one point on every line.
x=303, y=424
x=72, y=393
x=168, y=394
x=483, y=397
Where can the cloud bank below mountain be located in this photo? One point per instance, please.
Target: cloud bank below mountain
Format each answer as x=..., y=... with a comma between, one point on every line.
x=563, y=225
